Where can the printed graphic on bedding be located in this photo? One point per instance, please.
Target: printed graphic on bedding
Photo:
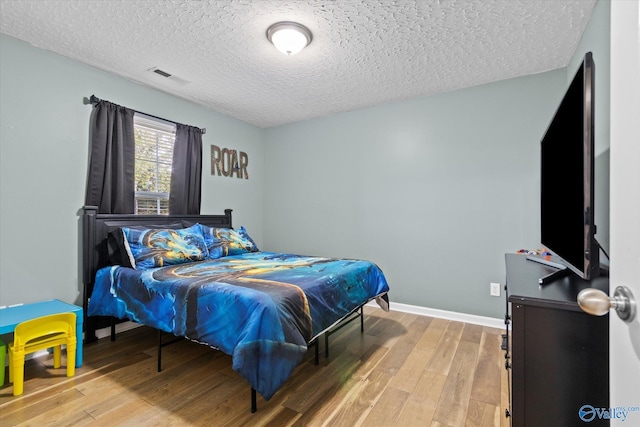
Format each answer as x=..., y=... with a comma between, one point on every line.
x=260, y=307
x=159, y=247
x=227, y=241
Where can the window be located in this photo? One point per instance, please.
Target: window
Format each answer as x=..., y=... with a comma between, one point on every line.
x=154, y=140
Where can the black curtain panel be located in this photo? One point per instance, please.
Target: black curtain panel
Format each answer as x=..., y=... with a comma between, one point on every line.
x=186, y=172
x=110, y=184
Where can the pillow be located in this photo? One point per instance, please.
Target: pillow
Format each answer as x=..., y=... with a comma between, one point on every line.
x=116, y=248
x=227, y=241
x=148, y=248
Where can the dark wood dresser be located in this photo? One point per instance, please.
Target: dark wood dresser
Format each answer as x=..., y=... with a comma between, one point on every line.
x=557, y=355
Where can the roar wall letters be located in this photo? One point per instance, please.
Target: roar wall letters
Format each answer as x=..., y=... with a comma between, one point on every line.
x=228, y=162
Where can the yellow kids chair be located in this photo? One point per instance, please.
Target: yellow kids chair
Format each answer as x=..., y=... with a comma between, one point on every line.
x=39, y=334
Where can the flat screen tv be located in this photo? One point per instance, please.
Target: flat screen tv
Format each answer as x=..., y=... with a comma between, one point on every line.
x=567, y=177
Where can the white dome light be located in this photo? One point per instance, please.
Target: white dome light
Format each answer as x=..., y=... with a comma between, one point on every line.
x=289, y=37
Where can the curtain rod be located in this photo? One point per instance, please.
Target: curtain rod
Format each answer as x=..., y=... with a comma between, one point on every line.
x=94, y=100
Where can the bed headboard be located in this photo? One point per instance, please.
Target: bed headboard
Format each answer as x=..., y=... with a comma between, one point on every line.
x=95, y=231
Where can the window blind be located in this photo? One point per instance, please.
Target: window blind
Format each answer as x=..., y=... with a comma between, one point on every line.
x=154, y=141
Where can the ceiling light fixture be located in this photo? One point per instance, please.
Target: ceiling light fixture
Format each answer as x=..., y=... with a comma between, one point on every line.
x=289, y=37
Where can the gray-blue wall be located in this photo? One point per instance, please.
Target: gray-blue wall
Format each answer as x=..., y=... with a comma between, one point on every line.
x=44, y=129
x=434, y=190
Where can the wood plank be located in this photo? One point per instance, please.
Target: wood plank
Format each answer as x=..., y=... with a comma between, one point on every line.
x=488, y=372
x=364, y=396
x=126, y=413
x=327, y=407
x=387, y=409
x=429, y=388
x=414, y=328
x=343, y=366
x=452, y=407
x=492, y=416
x=408, y=375
x=416, y=413
x=46, y=397
x=68, y=410
x=199, y=409
x=428, y=342
x=480, y=414
x=280, y=416
x=492, y=331
x=394, y=359
x=475, y=413
x=389, y=326
x=471, y=333
x=446, y=348
x=439, y=323
x=234, y=410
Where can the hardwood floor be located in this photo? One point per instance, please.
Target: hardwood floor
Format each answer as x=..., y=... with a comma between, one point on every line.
x=404, y=370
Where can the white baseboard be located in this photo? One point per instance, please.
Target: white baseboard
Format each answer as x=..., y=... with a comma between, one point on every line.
x=444, y=314
x=120, y=327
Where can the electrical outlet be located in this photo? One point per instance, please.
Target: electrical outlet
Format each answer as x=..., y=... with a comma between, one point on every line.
x=495, y=289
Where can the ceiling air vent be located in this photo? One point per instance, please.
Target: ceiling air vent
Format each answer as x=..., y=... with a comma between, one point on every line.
x=168, y=76
x=162, y=73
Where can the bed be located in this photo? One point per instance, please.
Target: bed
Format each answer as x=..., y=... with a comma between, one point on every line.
x=195, y=276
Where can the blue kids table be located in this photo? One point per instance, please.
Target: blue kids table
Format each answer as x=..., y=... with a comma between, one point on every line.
x=12, y=315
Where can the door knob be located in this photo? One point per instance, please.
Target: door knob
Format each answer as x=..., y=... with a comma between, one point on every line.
x=597, y=303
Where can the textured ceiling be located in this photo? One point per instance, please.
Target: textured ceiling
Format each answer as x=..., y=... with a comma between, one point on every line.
x=364, y=52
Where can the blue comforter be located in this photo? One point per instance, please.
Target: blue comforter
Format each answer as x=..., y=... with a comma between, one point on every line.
x=261, y=308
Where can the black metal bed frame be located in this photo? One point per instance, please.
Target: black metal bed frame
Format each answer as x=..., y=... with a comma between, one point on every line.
x=95, y=230
x=357, y=313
